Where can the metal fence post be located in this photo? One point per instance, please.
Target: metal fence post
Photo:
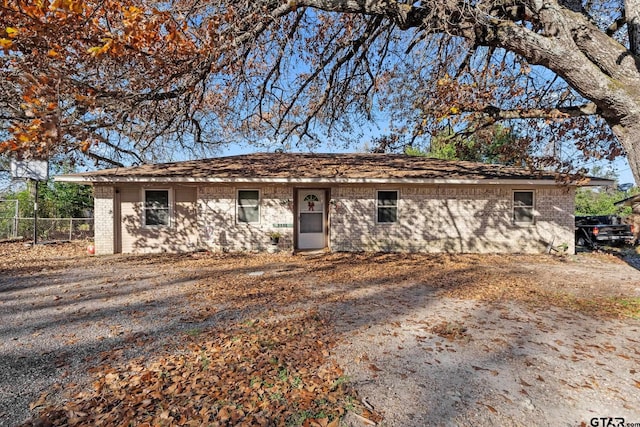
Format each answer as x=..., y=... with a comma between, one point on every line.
x=15, y=220
x=35, y=214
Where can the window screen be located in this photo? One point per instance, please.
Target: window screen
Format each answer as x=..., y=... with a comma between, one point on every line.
x=156, y=207
x=387, y=206
x=523, y=207
x=311, y=222
x=248, y=206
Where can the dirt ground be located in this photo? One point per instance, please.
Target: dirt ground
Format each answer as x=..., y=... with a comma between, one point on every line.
x=420, y=339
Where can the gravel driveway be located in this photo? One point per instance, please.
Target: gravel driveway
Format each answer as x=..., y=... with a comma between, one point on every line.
x=57, y=322
x=421, y=344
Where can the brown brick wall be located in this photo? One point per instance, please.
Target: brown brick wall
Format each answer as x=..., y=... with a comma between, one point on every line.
x=476, y=219
x=219, y=229
x=180, y=236
x=103, y=206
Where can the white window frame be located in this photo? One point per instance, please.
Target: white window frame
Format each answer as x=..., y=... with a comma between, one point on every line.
x=532, y=207
x=238, y=206
x=379, y=206
x=169, y=208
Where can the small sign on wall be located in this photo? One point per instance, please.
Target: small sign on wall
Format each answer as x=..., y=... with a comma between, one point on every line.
x=282, y=225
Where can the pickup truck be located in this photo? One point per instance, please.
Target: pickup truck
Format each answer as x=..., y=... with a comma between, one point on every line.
x=598, y=230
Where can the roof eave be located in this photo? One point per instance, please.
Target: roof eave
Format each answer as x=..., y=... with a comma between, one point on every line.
x=598, y=182
x=336, y=180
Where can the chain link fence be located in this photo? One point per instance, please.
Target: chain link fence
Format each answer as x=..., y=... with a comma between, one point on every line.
x=48, y=228
x=8, y=219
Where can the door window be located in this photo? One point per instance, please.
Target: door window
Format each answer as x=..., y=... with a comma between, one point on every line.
x=311, y=223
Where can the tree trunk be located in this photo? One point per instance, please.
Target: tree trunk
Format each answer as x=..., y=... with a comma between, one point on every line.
x=595, y=65
x=628, y=137
x=632, y=16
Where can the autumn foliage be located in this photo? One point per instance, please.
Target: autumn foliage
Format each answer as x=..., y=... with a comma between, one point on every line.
x=72, y=67
x=135, y=81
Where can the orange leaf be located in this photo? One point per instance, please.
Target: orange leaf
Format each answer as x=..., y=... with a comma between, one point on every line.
x=5, y=43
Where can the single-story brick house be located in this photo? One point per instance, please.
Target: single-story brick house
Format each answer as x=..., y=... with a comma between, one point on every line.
x=339, y=202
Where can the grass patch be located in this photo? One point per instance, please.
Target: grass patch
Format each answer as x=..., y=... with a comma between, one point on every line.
x=605, y=307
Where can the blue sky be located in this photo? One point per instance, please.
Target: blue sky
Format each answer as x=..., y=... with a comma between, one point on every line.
x=624, y=171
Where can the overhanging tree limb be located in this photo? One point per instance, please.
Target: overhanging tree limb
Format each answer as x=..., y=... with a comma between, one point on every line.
x=497, y=113
x=152, y=72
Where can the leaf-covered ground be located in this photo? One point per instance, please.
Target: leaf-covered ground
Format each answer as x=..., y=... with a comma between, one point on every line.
x=249, y=339
x=256, y=373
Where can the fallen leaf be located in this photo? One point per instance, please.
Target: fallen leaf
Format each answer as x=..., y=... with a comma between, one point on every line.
x=489, y=407
x=40, y=402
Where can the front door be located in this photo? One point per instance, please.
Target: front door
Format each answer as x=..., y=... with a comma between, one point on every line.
x=311, y=219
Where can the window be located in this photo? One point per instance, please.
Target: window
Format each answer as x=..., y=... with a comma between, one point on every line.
x=248, y=206
x=156, y=208
x=523, y=207
x=387, y=206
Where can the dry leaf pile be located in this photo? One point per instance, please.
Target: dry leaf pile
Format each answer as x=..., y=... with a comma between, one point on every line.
x=18, y=257
x=256, y=373
x=469, y=276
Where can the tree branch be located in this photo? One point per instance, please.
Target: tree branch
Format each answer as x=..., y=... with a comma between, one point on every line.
x=632, y=18
x=497, y=113
x=589, y=109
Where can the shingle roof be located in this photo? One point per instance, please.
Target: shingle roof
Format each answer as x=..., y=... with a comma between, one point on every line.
x=300, y=167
